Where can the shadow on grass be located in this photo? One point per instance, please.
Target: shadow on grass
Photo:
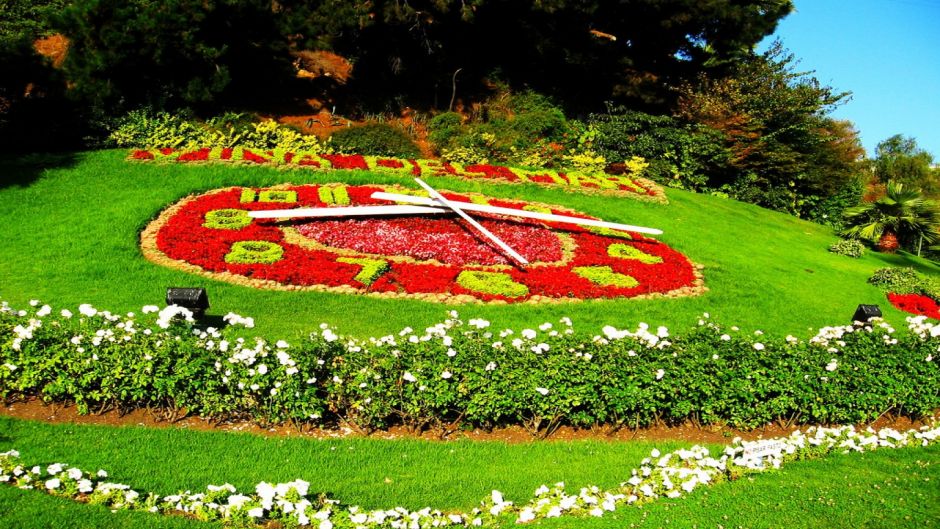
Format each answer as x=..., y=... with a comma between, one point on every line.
x=903, y=258
x=21, y=170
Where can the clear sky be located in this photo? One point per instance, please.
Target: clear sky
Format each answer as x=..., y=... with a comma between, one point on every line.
x=886, y=52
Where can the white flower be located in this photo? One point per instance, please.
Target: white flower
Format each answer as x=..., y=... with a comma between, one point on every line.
x=832, y=365
x=497, y=497
x=66, y=313
x=281, y=344
x=53, y=483
x=725, y=337
x=491, y=366
x=148, y=309
x=409, y=377
x=446, y=374
x=44, y=311
x=759, y=346
x=660, y=373
x=542, y=391
x=262, y=369
x=257, y=512
x=526, y=515
x=451, y=353
x=528, y=334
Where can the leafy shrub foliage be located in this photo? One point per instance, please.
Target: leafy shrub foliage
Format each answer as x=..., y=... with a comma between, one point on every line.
x=464, y=373
x=906, y=280
x=848, y=247
x=525, y=129
x=377, y=139
x=146, y=128
x=682, y=156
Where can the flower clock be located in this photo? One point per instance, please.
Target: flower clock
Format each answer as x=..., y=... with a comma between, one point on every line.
x=380, y=240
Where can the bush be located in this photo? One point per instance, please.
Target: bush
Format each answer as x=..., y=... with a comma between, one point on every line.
x=898, y=280
x=526, y=130
x=848, y=247
x=144, y=128
x=681, y=156
x=443, y=128
x=906, y=281
x=377, y=139
x=147, y=129
x=461, y=372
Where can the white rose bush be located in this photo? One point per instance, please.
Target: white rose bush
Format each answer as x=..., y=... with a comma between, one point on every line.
x=669, y=475
x=459, y=374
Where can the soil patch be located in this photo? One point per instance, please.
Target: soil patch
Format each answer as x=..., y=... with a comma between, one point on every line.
x=35, y=409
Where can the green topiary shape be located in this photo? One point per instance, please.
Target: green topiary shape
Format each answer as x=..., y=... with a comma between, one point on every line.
x=333, y=195
x=227, y=219
x=605, y=275
x=608, y=232
x=496, y=283
x=254, y=252
x=247, y=196
x=371, y=268
x=277, y=195
x=625, y=251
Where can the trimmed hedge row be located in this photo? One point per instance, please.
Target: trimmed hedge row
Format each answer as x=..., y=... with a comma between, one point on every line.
x=465, y=374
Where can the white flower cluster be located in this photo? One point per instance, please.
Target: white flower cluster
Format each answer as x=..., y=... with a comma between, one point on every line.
x=234, y=319
x=923, y=328
x=642, y=334
x=671, y=475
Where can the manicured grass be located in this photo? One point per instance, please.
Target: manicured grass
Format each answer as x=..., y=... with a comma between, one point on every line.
x=70, y=236
x=888, y=488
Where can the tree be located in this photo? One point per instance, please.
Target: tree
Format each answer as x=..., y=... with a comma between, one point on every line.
x=902, y=217
x=33, y=109
x=900, y=159
x=786, y=152
x=584, y=51
x=174, y=53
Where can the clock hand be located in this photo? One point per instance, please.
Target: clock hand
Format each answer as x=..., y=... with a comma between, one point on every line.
x=468, y=206
x=351, y=211
x=456, y=209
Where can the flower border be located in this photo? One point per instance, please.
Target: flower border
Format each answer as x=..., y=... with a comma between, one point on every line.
x=669, y=475
x=635, y=187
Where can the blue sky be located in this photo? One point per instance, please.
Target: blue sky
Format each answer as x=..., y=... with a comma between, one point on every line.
x=886, y=52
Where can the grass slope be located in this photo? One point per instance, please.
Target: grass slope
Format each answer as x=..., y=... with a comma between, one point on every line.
x=71, y=225
x=896, y=488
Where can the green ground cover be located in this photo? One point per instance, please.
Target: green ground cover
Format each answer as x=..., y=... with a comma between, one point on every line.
x=892, y=487
x=71, y=225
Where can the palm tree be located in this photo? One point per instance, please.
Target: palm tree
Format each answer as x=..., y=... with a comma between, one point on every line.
x=903, y=213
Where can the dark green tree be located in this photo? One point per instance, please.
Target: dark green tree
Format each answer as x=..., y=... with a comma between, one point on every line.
x=174, y=53
x=900, y=159
x=584, y=51
x=33, y=110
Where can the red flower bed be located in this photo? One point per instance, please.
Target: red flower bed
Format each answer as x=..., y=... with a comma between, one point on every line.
x=915, y=304
x=415, y=255
x=599, y=183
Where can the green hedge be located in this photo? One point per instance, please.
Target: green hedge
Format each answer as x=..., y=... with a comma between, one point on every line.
x=466, y=374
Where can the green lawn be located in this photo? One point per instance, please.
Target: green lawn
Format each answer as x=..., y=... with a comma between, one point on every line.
x=71, y=225
x=893, y=487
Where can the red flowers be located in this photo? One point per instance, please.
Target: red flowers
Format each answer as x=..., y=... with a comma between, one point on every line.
x=915, y=304
x=619, y=185
x=433, y=257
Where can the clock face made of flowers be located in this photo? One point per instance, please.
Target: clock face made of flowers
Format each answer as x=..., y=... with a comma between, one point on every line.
x=435, y=257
